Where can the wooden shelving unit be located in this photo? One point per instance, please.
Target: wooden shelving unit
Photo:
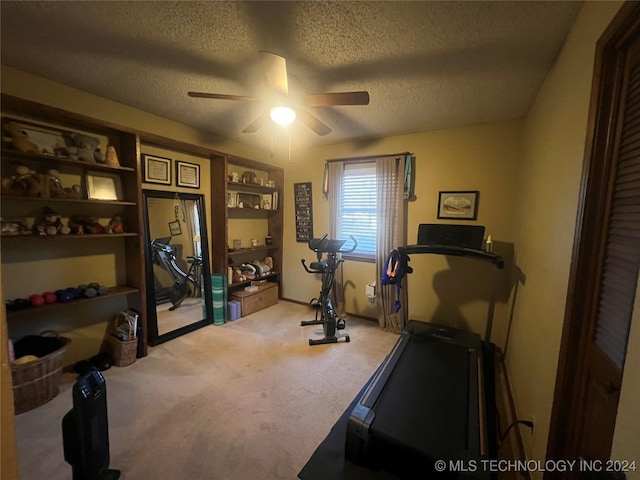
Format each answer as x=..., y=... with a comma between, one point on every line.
x=221, y=185
x=127, y=247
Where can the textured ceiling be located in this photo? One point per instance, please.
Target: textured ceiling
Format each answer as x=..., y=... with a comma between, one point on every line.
x=426, y=65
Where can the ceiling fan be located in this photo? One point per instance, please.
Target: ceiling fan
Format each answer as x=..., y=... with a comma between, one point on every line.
x=285, y=110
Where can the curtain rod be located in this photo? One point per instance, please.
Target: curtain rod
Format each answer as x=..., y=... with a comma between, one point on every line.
x=365, y=158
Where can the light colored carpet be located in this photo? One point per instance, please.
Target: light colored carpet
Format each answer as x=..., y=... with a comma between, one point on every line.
x=246, y=400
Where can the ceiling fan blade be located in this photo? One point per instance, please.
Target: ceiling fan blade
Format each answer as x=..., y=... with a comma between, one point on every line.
x=275, y=67
x=312, y=122
x=219, y=96
x=343, y=98
x=257, y=123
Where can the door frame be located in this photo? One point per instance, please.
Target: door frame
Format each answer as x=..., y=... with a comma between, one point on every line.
x=590, y=239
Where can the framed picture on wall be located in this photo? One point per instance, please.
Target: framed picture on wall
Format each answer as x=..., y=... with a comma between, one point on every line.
x=187, y=174
x=156, y=169
x=461, y=205
x=175, y=228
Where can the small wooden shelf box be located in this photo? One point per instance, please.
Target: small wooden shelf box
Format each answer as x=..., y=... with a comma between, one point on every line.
x=251, y=302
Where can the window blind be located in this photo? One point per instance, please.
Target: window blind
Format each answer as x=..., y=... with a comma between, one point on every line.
x=358, y=209
x=622, y=255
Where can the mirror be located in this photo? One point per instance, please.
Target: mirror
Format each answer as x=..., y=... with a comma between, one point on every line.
x=176, y=264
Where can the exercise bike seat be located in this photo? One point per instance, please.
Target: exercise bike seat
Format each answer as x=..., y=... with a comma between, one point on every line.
x=319, y=266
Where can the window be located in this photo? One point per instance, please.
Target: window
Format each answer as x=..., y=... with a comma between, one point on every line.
x=358, y=208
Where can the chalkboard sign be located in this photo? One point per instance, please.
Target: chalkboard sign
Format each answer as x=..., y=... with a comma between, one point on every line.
x=304, y=211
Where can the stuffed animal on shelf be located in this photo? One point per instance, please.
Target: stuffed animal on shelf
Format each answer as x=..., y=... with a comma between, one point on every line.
x=50, y=223
x=76, y=224
x=55, y=185
x=93, y=226
x=25, y=182
x=56, y=189
x=84, y=148
x=18, y=138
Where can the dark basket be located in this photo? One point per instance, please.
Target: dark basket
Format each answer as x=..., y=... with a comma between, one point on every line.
x=37, y=382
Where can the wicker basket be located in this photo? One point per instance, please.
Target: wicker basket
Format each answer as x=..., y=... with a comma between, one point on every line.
x=122, y=353
x=37, y=382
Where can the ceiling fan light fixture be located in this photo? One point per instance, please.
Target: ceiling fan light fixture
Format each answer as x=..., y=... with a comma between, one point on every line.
x=283, y=115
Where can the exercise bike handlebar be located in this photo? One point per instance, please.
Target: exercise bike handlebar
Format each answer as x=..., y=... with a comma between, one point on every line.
x=352, y=249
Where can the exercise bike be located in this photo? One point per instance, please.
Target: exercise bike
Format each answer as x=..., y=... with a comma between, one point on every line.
x=323, y=305
x=163, y=255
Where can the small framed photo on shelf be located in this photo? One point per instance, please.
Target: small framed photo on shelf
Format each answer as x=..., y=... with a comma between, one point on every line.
x=187, y=174
x=175, y=228
x=156, y=169
x=103, y=186
x=461, y=205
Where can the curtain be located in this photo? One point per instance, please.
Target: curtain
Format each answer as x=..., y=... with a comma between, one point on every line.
x=333, y=189
x=191, y=226
x=391, y=233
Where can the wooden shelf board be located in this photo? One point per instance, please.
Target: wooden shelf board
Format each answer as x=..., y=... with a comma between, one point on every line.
x=113, y=292
x=259, y=248
x=239, y=186
x=248, y=282
x=8, y=154
x=62, y=199
x=74, y=236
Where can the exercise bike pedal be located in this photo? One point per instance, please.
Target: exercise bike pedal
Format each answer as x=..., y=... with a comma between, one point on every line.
x=315, y=304
x=340, y=324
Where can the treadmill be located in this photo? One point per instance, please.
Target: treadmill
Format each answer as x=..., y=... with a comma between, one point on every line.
x=433, y=397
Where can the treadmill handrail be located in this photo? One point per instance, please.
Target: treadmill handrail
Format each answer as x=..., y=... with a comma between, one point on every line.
x=497, y=260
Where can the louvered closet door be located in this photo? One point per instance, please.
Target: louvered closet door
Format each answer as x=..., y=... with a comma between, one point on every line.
x=621, y=263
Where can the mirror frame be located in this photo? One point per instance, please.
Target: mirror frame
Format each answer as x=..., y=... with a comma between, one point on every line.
x=152, y=318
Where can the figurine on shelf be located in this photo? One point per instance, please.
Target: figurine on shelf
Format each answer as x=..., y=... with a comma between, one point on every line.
x=116, y=225
x=50, y=223
x=237, y=276
x=249, y=177
x=112, y=157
